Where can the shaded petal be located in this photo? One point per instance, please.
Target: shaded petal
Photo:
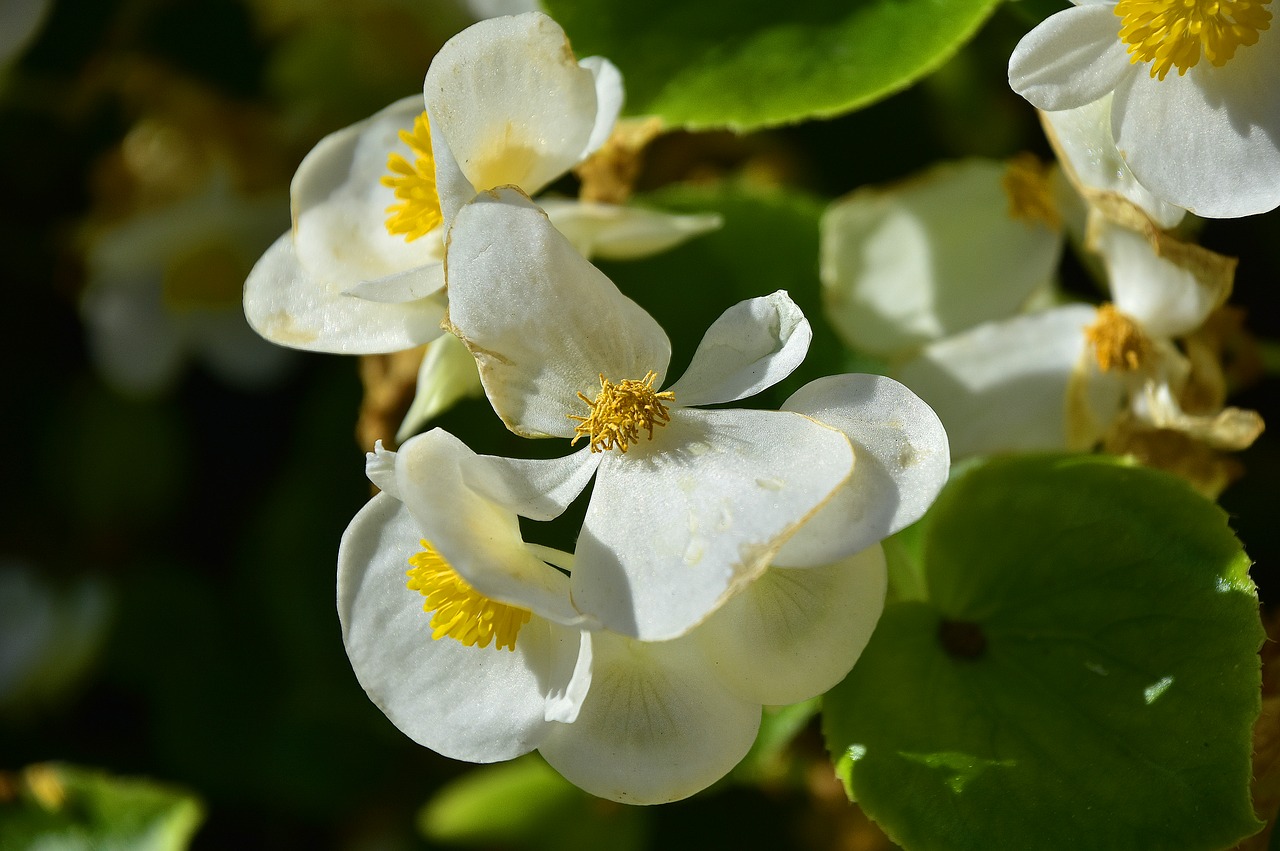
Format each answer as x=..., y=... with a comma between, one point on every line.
x=657, y=725
x=609, y=97
x=289, y=306
x=478, y=536
x=750, y=347
x=679, y=523
x=1208, y=140
x=470, y=703
x=911, y=263
x=539, y=489
x=571, y=674
x=619, y=232
x=511, y=103
x=380, y=468
x=901, y=461
x=447, y=376
x=1004, y=386
x=1082, y=139
x=340, y=204
x=1072, y=58
x=793, y=634
x=542, y=322
x=405, y=286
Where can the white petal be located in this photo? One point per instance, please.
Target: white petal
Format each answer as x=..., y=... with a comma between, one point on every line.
x=290, y=307
x=793, y=634
x=609, y=97
x=20, y=20
x=1072, y=58
x=340, y=204
x=1005, y=386
x=750, y=347
x=478, y=536
x=901, y=461
x=542, y=322
x=1169, y=292
x=405, y=286
x=447, y=376
x=657, y=726
x=380, y=468
x=512, y=104
x=571, y=673
x=1082, y=139
x=616, y=232
x=1208, y=140
x=471, y=703
x=539, y=489
x=677, y=524
x=908, y=264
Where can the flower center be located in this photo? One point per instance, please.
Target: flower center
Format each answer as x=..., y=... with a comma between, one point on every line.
x=417, y=208
x=462, y=613
x=1176, y=32
x=1026, y=185
x=1118, y=341
x=620, y=411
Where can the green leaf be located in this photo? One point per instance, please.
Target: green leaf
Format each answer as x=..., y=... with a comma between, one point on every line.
x=68, y=808
x=742, y=65
x=1082, y=674
x=526, y=804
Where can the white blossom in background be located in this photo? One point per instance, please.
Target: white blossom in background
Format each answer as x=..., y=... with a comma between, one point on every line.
x=164, y=287
x=20, y=21
x=1194, y=106
x=505, y=102
x=688, y=504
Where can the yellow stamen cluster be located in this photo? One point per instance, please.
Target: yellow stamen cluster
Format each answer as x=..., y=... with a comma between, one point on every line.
x=1118, y=341
x=1170, y=33
x=1026, y=185
x=461, y=612
x=417, y=210
x=620, y=411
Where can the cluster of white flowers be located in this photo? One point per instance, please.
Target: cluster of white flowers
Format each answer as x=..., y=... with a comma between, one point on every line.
x=729, y=558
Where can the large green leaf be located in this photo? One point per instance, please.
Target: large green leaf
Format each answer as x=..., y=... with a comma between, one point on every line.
x=717, y=63
x=67, y=808
x=1083, y=672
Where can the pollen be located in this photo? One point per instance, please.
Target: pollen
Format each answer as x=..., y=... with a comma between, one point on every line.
x=1169, y=33
x=620, y=411
x=1118, y=341
x=417, y=209
x=1026, y=185
x=461, y=612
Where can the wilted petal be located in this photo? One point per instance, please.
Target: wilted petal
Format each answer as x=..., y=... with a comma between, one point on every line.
x=901, y=461
x=679, y=523
x=657, y=725
x=542, y=322
x=793, y=634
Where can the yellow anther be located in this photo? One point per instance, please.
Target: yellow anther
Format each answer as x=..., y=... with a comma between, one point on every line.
x=1026, y=185
x=461, y=612
x=620, y=411
x=417, y=209
x=1118, y=341
x=1170, y=33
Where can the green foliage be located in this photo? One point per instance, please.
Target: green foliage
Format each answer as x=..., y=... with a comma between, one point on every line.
x=1082, y=672
x=67, y=808
x=526, y=804
x=755, y=64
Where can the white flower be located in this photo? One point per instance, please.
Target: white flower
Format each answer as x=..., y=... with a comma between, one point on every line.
x=164, y=286
x=688, y=505
x=638, y=722
x=505, y=103
x=1195, y=110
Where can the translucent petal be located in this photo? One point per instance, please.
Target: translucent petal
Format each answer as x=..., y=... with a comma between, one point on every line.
x=901, y=461
x=1072, y=58
x=677, y=524
x=470, y=703
x=542, y=322
x=617, y=232
x=657, y=725
x=793, y=634
x=447, y=376
x=750, y=347
x=609, y=97
x=915, y=262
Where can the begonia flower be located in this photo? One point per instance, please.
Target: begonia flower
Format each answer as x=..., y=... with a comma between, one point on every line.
x=1194, y=109
x=464, y=635
x=504, y=102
